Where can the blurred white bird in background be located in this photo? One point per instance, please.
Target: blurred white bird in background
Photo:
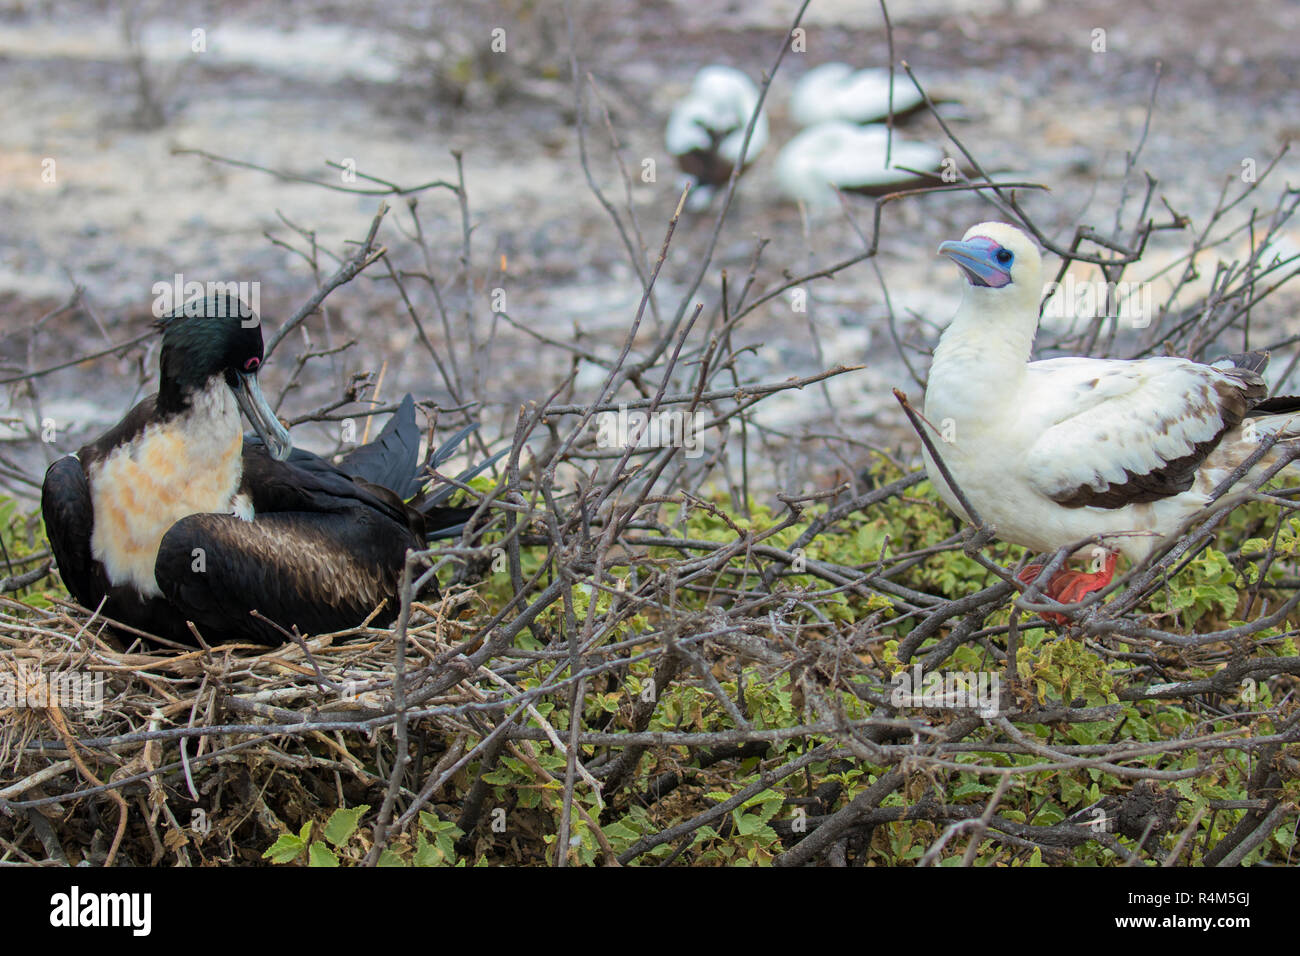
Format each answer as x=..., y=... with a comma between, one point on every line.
x=851, y=158
x=833, y=91
x=706, y=130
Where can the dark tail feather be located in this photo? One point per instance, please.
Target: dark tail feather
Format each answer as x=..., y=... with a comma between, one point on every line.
x=1255, y=361
x=391, y=459
x=1277, y=405
x=444, y=522
x=447, y=448
x=441, y=494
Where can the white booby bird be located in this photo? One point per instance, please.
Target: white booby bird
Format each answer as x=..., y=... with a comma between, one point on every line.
x=706, y=130
x=833, y=91
x=1052, y=452
x=840, y=155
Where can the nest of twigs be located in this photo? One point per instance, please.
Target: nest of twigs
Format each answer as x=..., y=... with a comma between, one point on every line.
x=194, y=744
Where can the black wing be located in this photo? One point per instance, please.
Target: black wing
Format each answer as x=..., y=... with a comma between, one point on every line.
x=69, y=521
x=320, y=572
x=391, y=459
x=310, y=483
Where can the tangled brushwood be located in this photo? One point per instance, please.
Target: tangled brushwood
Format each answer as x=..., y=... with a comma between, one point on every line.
x=648, y=656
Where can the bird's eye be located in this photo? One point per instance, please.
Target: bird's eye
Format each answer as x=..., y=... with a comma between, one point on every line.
x=252, y=364
x=1005, y=256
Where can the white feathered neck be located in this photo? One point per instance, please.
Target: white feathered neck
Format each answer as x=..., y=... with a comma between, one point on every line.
x=983, y=353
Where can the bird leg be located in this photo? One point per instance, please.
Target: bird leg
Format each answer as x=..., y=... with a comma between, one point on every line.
x=1068, y=586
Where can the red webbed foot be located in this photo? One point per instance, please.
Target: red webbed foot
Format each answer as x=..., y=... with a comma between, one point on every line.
x=1068, y=586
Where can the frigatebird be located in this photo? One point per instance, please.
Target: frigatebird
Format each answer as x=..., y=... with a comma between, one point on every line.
x=175, y=516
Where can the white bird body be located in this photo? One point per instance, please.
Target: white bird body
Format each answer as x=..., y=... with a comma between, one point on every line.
x=706, y=129
x=833, y=91
x=1056, y=451
x=842, y=155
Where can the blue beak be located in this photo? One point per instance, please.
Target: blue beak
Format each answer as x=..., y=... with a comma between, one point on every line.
x=977, y=259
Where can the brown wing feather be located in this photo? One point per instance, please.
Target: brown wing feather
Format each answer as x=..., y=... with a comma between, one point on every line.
x=1236, y=398
x=320, y=572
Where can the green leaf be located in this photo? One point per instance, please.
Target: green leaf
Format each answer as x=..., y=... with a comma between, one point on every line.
x=428, y=854
x=343, y=823
x=964, y=790
x=285, y=849
x=620, y=834
x=321, y=855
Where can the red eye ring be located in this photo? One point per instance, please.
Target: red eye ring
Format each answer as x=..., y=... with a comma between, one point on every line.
x=252, y=364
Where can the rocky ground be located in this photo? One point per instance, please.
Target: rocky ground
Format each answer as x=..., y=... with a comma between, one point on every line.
x=103, y=96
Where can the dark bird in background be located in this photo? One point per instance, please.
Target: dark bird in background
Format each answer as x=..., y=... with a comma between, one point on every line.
x=175, y=516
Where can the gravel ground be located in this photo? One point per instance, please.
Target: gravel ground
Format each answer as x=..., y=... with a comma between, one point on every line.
x=397, y=87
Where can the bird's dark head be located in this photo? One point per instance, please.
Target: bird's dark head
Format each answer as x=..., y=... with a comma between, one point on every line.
x=218, y=337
